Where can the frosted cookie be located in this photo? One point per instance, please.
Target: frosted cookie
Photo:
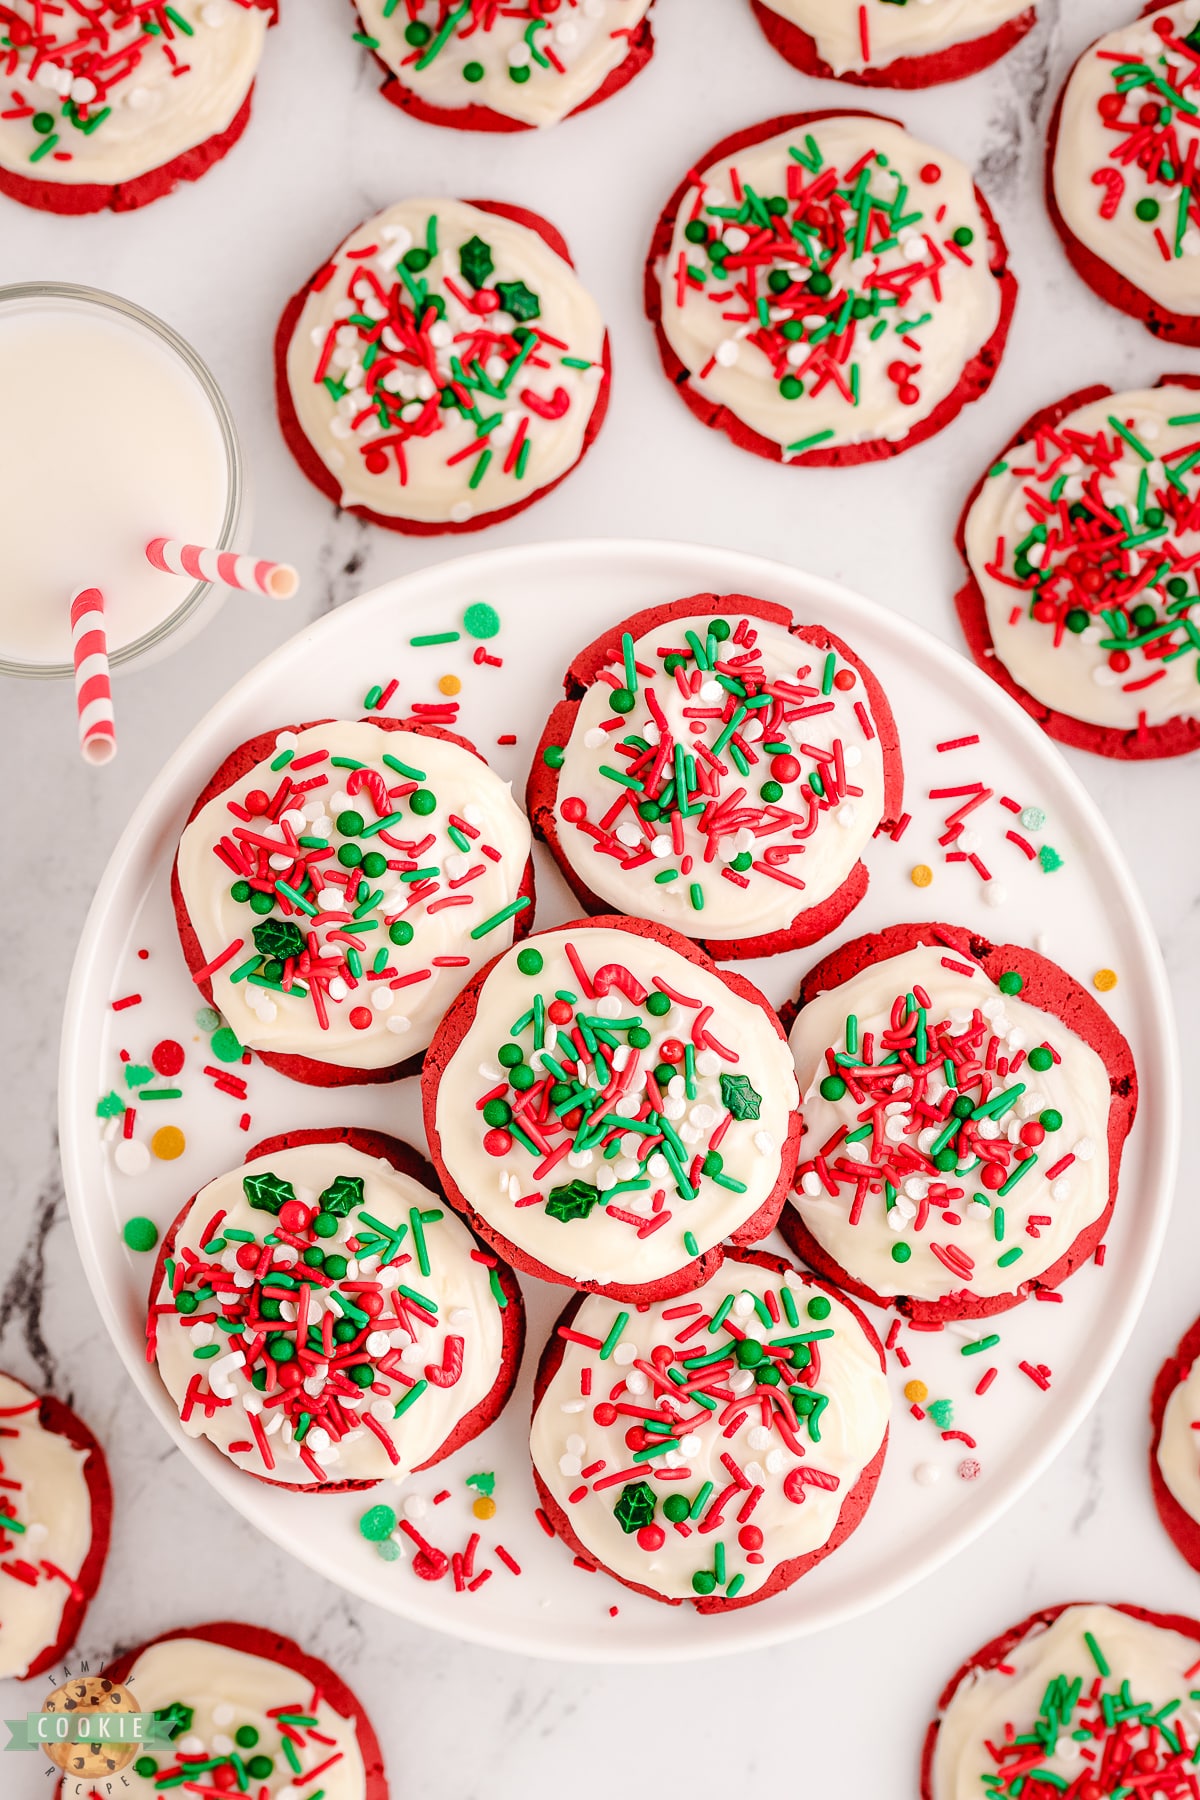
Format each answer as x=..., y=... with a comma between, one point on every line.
x=324, y=1322
x=55, y=1517
x=953, y=1198
x=243, y=1710
x=1121, y=169
x=607, y=1107
x=894, y=43
x=505, y=68
x=1086, y=1701
x=112, y=105
x=444, y=369
x=1175, y=1446
x=337, y=883
x=720, y=769
x=828, y=290
x=1081, y=545
x=714, y=1451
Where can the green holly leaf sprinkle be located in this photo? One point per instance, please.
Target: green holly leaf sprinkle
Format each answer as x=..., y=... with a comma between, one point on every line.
x=574, y=1201
x=518, y=300
x=280, y=938
x=343, y=1195
x=174, y=1719
x=475, y=261
x=267, y=1192
x=741, y=1099
x=635, y=1506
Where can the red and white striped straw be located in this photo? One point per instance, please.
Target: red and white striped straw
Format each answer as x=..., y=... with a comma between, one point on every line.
x=93, y=687
x=249, y=574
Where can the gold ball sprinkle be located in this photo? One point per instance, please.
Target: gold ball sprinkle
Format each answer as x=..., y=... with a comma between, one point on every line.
x=484, y=1507
x=449, y=684
x=168, y=1142
x=916, y=1392
x=1104, y=980
x=922, y=875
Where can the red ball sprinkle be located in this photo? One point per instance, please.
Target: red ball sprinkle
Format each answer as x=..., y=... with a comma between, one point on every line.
x=605, y=1413
x=750, y=1537
x=671, y=1050
x=573, y=809
x=360, y=1017
x=651, y=1537
x=1033, y=1133
x=845, y=680
x=497, y=1142
x=993, y=1176
x=257, y=801
x=785, y=768
x=294, y=1215
x=558, y=1012
x=931, y=173
x=167, y=1057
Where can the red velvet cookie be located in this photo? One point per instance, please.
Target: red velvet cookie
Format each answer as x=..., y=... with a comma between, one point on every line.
x=952, y=62
x=762, y=851
x=935, y=1214
x=490, y=72
x=734, y=287
x=489, y=390
x=1045, y=1705
x=179, y=1676
x=1115, y=196
x=49, y=1464
x=410, y=1355
x=47, y=132
x=500, y=884
x=1178, y=1445
x=548, y=1052
x=1053, y=608
x=706, y=1521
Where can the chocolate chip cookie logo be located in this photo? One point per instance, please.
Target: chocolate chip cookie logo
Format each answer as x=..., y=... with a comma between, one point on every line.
x=90, y=1728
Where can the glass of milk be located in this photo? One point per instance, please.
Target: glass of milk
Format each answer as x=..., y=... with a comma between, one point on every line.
x=112, y=432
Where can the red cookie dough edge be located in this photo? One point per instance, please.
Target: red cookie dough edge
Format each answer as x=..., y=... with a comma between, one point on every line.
x=54, y=1416
x=76, y=199
x=485, y=118
x=410, y=1162
x=310, y=463
x=1115, y=289
x=271, y=1646
x=952, y=64
x=1178, y=1523
x=1174, y=738
x=1055, y=993
x=991, y=1655
x=450, y=1033
x=239, y=762
x=541, y=797
x=976, y=377
x=850, y=1516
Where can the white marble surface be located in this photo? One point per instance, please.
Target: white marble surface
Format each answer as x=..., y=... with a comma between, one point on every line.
x=218, y=261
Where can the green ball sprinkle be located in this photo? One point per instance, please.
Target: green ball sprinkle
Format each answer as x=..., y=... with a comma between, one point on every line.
x=207, y=1019
x=946, y=1159
x=350, y=823
x=663, y=1074
x=519, y=75
x=779, y=281
x=901, y=1252
x=497, y=1112
x=703, y=1582
x=401, y=932
x=314, y=1256
x=240, y=891
x=529, y=961
x=361, y=1374
x=1051, y=1119
x=186, y=1303
x=1077, y=620
x=819, y=1307
x=964, y=236
x=416, y=259
x=658, y=1004
x=696, y=231
x=791, y=387
x=146, y=1767
x=349, y=855
x=522, y=1078
x=423, y=802
x=325, y=1225
x=140, y=1234
x=1040, y=1059
x=343, y=1331
x=719, y=628
x=676, y=1508
x=832, y=1088
x=373, y=864
x=262, y=903
x=621, y=700
x=417, y=34
x=1010, y=982
x=509, y=1055
x=225, y=1046
x=963, y=1107
x=279, y=1348
x=553, y=756
x=1147, y=211
x=820, y=283
x=336, y=1266
x=638, y=1038
x=245, y=1737
x=771, y=791
x=259, y=1767
x=481, y=620
x=473, y=71
x=749, y=1353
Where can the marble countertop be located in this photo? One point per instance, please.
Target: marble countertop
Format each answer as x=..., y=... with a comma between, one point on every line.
x=217, y=262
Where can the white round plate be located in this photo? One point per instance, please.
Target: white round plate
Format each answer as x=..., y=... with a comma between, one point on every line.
x=553, y=599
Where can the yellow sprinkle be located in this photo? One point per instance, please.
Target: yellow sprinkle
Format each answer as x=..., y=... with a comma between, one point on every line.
x=484, y=1507
x=922, y=875
x=449, y=684
x=916, y=1392
x=168, y=1142
x=1104, y=979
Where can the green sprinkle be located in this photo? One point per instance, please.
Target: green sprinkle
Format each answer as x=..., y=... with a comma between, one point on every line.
x=611, y=1341
x=414, y=1393
x=1010, y=1256
x=983, y=1343
x=400, y=768
x=499, y=918
x=1097, y=1654
x=434, y=637
x=690, y=1244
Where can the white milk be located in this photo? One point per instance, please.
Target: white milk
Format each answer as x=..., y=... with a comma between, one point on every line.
x=107, y=439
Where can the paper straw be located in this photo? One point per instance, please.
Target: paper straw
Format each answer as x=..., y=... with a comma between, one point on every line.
x=93, y=688
x=249, y=574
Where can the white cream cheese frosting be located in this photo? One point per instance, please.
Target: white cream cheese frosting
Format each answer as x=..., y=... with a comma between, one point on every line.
x=850, y=42
x=1090, y=522
x=781, y=766
x=1062, y=1695
x=910, y=1197
x=108, y=102
x=403, y=1325
x=528, y=61
x=1179, y=1443
x=47, y=1519
x=1103, y=189
x=453, y=858
x=224, y=1704
x=818, y=327
x=765, y=1466
x=581, y=1158
x=446, y=364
